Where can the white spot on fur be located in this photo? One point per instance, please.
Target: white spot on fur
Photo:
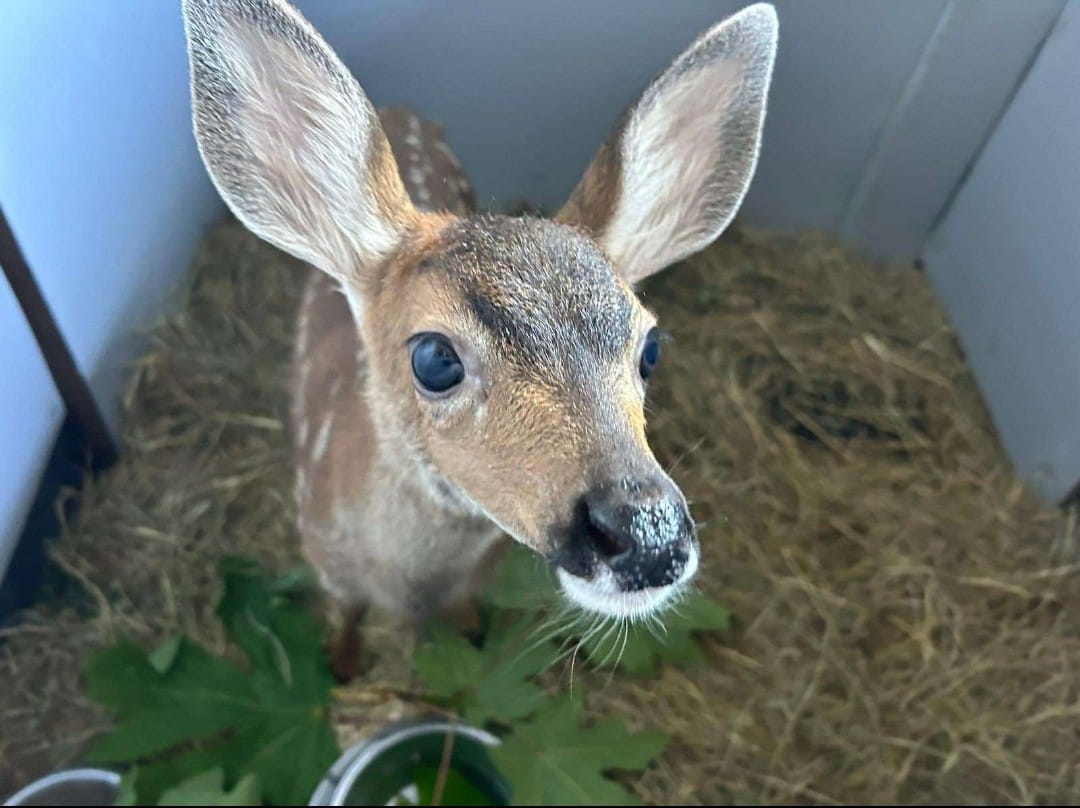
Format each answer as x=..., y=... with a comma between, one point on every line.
x=414, y=134
x=322, y=439
x=324, y=580
x=305, y=320
x=301, y=386
x=418, y=182
x=449, y=155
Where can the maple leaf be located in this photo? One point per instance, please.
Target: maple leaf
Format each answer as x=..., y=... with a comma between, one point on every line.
x=489, y=683
x=552, y=760
x=181, y=710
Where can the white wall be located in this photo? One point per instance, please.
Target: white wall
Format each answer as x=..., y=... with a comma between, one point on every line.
x=1006, y=262
x=968, y=70
x=101, y=183
x=100, y=177
x=876, y=111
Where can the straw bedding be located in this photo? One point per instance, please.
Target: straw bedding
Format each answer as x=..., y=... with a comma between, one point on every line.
x=908, y=620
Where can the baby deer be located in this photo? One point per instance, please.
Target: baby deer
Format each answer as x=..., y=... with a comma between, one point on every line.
x=477, y=374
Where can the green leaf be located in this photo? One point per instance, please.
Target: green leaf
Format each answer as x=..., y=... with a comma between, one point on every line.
x=127, y=788
x=448, y=663
x=208, y=788
x=645, y=645
x=290, y=756
x=181, y=711
x=514, y=653
x=522, y=581
x=274, y=635
x=551, y=760
x=154, y=778
x=199, y=696
x=492, y=683
x=698, y=612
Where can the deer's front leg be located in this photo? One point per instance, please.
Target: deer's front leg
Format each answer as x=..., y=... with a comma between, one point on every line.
x=347, y=655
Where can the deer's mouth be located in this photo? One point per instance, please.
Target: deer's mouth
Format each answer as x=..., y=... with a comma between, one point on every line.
x=629, y=546
x=610, y=594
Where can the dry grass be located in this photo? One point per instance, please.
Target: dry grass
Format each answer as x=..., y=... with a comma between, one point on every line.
x=908, y=616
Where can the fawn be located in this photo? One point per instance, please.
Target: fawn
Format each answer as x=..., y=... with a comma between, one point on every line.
x=458, y=375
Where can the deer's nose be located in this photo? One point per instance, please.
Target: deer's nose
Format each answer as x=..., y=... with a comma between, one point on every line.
x=608, y=535
x=640, y=528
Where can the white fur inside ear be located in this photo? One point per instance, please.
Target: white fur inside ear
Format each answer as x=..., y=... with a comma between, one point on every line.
x=286, y=133
x=690, y=146
x=669, y=151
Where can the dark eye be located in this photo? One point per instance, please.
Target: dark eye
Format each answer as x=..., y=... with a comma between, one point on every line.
x=650, y=353
x=435, y=364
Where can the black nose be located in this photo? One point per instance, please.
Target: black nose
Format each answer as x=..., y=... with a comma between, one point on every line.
x=640, y=528
x=608, y=529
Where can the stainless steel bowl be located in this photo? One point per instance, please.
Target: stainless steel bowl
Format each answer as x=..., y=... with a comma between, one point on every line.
x=71, y=787
x=370, y=759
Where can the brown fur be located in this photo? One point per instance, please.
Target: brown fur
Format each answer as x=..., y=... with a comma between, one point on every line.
x=593, y=200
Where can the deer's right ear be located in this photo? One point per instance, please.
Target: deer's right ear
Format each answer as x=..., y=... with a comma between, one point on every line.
x=674, y=172
x=289, y=138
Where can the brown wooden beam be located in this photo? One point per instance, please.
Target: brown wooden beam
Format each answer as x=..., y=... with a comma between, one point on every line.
x=73, y=388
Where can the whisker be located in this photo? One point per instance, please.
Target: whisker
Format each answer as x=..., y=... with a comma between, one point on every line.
x=684, y=455
x=616, y=626
x=597, y=624
x=656, y=627
x=673, y=608
x=625, y=640
x=558, y=629
x=580, y=638
x=544, y=625
x=572, y=630
x=625, y=632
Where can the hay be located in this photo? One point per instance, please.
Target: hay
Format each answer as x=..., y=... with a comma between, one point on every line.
x=907, y=614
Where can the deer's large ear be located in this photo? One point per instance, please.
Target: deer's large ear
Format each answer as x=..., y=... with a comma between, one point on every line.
x=671, y=176
x=289, y=138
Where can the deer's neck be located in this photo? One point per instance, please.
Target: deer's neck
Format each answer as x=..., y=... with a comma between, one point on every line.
x=402, y=468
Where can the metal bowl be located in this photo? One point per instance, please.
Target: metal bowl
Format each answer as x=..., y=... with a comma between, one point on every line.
x=376, y=770
x=71, y=787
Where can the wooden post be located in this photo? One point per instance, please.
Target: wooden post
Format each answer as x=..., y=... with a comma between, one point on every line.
x=73, y=388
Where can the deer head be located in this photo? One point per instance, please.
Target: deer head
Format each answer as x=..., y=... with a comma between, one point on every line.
x=508, y=357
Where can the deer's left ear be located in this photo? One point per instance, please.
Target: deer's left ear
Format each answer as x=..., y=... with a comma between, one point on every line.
x=671, y=176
